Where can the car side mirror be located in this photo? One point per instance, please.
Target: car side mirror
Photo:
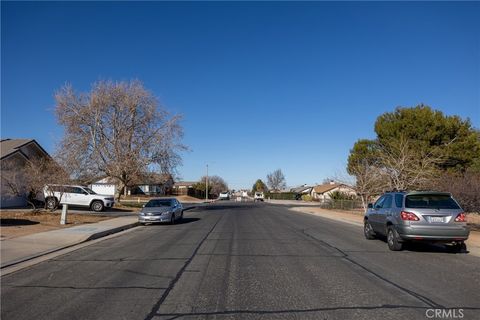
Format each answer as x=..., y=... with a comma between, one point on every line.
x=370, y=206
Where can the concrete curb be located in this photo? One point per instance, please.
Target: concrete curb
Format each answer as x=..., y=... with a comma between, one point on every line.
x=104, y=233
x=93, y=236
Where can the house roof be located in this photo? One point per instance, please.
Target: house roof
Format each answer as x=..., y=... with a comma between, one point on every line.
x=11, y=146
x=184, y=184
x=326, y=187
x=300, y=189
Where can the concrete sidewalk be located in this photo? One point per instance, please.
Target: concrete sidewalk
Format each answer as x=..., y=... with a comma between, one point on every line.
x=16, y=250
x=473, y=242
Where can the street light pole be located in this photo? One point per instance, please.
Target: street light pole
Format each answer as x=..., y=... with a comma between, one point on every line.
x=206, y=186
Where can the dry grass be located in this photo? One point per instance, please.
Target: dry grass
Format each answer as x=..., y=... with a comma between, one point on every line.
x=17, y=223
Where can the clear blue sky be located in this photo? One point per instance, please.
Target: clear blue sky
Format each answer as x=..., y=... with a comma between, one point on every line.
x=261, y=85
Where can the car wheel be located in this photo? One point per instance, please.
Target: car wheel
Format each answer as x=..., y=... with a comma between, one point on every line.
x=172, y=219
x=393, y=241
x=97, y=206
x=459, y=247
x=368, y=231
x=51, y=203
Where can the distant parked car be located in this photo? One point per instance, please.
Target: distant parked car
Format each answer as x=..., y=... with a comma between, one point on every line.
x=161, y=210
x=417, y=216
x=258, y=196
x=76, y=196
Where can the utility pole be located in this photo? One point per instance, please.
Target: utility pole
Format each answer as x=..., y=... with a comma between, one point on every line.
x=206, y=186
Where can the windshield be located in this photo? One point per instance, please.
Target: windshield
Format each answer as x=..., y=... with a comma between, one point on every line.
x=89, y=190
x=158, y=203
x=430, y=201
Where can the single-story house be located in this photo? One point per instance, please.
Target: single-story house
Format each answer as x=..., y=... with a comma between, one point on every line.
x=183, y=188
x=322, y=192
x=14, y=155
x=106, y=185
x=154, y=185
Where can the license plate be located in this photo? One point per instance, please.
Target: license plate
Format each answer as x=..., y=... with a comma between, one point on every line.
x=436, y=219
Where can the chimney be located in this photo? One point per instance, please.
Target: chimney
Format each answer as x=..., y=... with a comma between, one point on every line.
x=332, y=182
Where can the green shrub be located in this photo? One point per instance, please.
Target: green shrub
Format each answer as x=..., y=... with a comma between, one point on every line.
x=281, y=196
x=306, y=197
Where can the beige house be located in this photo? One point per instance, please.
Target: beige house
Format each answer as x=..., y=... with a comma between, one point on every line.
x=14, y=155
x=322, y=192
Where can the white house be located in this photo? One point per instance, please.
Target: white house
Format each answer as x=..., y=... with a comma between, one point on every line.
x=14, y=155
x=153, y=185
x=323, y=192
x=105, y=186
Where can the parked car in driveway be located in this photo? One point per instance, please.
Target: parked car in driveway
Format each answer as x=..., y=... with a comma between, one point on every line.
x=76, y=196
x=417, y=216
x=161, y=210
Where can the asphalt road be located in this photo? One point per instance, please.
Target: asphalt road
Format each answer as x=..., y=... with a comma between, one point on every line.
x=245, y=261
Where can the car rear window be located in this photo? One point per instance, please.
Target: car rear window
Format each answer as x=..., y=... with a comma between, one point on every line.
x=159, y=203
x=430, y=201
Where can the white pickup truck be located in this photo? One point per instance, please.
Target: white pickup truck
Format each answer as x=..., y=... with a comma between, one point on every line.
x=258, y=196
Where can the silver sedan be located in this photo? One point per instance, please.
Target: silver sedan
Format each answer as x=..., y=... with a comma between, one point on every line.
x=161, y=210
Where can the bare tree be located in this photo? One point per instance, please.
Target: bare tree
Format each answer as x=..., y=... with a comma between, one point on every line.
x=465, y=187
x=370, y=180
x=408, y=167
x=116, y=130
x=276, y=180
x=28, y=179
x=216, y=185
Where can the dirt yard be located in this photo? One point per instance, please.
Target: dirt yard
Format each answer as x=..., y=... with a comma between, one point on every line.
x=17, y=223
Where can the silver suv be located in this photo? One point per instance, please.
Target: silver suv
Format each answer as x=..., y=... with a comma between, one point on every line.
x=417, y=216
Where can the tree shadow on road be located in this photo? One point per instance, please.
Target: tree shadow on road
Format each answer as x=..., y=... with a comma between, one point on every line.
x=183, y=221
x=187, y=220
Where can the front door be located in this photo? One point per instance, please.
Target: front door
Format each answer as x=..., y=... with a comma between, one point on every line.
x=374, y=214
x=384, y=212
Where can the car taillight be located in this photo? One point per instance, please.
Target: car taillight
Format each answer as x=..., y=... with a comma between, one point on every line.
x=461, y=217
x=408, y=216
